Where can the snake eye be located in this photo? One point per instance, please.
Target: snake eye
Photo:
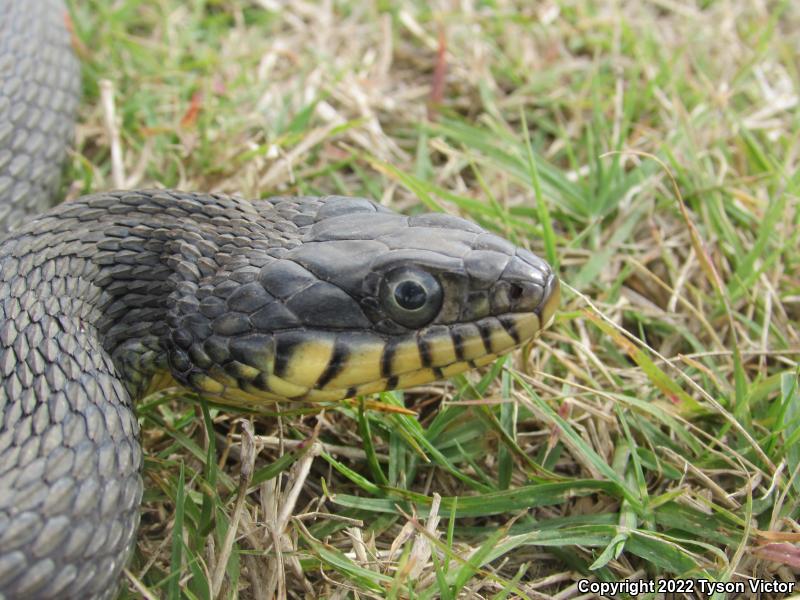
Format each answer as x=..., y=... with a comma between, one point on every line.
x=411, y=297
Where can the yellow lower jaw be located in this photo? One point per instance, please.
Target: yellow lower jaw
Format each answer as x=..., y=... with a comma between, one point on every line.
x=372, y=367
x=527, y=326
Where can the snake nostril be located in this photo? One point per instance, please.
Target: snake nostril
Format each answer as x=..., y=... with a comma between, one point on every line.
x=515, y=292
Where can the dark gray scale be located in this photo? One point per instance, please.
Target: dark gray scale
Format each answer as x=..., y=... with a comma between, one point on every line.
x=284, y=278
x=485, y=265
x=325, y=259
x=360, y=226
x=419, y=238
x=323, y=305
x=274, y=317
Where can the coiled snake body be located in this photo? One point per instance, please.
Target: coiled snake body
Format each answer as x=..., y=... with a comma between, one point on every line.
x=105, y=298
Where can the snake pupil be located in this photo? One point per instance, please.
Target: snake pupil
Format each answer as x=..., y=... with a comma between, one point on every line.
x=410, y=295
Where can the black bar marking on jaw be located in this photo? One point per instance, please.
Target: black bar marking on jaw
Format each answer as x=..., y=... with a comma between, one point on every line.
x=261, y=382
x=486, y=336
x=458, y=343
x=335, y=365
x=472, y=364
x=284, y=350
x=391, y=383
x=438, y=372
x=424, y=352
x=511, y=328
x=389, y=348
x=351, y=392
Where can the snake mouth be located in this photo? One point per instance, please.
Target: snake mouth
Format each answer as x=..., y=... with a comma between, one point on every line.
x=313, y=365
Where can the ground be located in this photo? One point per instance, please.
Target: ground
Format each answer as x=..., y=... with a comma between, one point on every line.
x=648, y=149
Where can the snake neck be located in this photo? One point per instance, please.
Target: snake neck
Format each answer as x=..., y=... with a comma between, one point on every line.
x=120, y=265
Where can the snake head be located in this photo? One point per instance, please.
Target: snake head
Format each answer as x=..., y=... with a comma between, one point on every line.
x=358, y=299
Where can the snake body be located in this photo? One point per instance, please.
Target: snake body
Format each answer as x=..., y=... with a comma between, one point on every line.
x=39, y=88
x=111, y=296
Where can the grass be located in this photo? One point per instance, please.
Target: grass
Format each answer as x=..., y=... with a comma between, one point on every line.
x=649, y=150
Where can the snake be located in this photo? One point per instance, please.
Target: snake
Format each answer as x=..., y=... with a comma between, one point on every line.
x=112, y=296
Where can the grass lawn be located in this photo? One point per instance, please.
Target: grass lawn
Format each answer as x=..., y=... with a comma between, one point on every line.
x=649, y=149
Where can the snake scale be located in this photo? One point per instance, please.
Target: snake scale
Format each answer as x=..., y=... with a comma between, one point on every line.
x=112, y=296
